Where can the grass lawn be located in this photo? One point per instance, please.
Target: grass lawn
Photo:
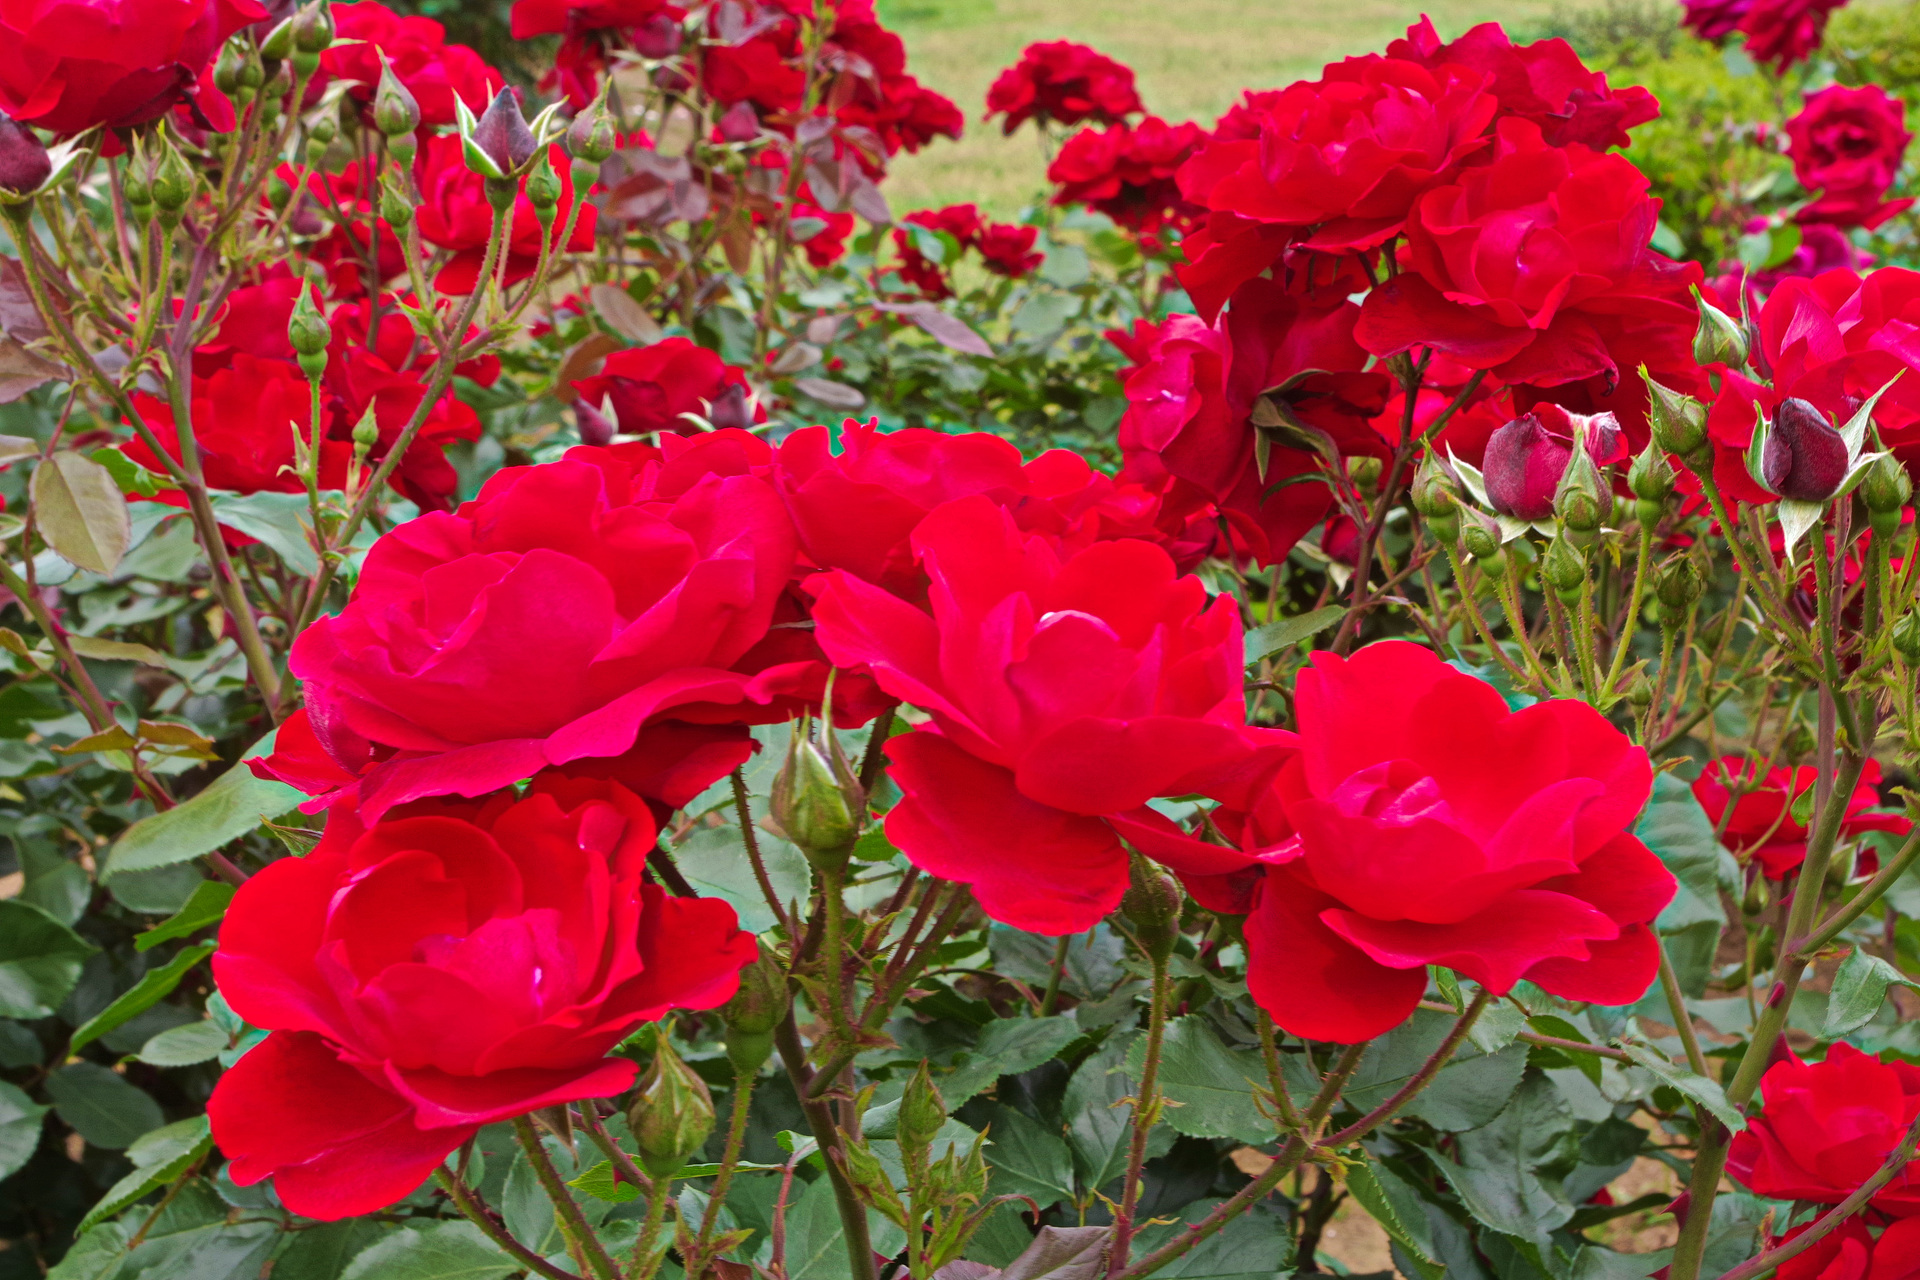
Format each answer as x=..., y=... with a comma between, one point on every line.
x=1192, y=59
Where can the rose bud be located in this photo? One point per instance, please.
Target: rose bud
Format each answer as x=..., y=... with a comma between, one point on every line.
x=1651, y=478
x=24, y=162
x=1679, y=422
x=313, y=28
x=594, y=135
x=755, y=1010
x=1564, y=569
x=396, y=112
x=658, y=37
x=811, y=802
x=671, y=1114
x=1152, y=909
x=1906, y=636
x=740, y=123
x=593, y=426
x=1526, y=460
x=309, y=333
x=1720, y=339
x=503, y=135
x=543, y=190
x=1678, y=587
x=922, y=1113
x=1885, y=489
x=1803, y=457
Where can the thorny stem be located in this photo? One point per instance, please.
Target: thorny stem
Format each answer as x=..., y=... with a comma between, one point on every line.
x=1419, y=1080
x=752, y=842
x=736, y=1139
x=1055, y=972
x=573, y=1224
x=471, y=1207
x=1677, y=1005
x=1146, y=1113
x=647, y=1254
x=853, y=1214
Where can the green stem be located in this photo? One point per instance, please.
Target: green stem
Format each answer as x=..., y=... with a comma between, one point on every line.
x=1635, y=600
x=471, y=1207
x=853, y=1214
x=573, y=1223
x=1054, y=973
x=736, y=1139
x=647, y=1254
x=1146, y=1113
x=1677, y=1005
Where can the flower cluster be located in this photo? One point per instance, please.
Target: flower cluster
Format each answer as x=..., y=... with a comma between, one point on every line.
x=1005, y=248
x=1780, y=32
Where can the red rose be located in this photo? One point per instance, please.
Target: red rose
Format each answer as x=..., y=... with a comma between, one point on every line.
x=1526, y=458
x=454, y=967
x=756, y=71
x=823, y=235
x=244, y=417
x=69, y=65
x=1343, y=157
x=1849, y=1253
x=1544, y=82
x=1007, y=249
x=434, y=72
x=554, y=17
x=1847, y=144
x=455, y=216
x=1827, y=1127
x=1423, y=822
x=875, y=91
x=654, y=388
x=1064, y=83
x=961, y=221
x=1127, y=172
x=1061, y=690
x=1714, y=19
x=1189, y=406
x=1784, y=32
x=1532, y=265
x=1763, y=828
x=638, y=589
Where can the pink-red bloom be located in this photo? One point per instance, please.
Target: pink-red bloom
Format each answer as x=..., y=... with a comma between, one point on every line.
x=640, y=587
x=1783, y=32
x=435, y=73
x=663, y=387
x=1851, y=1253
x=69, y=65
x=1847, y=144
x=1127, y=172
x=1061, y=688
x=451, y=967
x=1423, y=822
x=1827, y=1127
x=1063, y=83
x=1762, y=826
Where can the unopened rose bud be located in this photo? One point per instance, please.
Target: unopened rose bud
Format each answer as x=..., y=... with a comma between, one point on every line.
x=1720, y=339
x=1526, y=461
x=1564, y=569
x=740, y=123
x=671, y=1113
x=1906, y=636
x=504, y=136
x=395, y=208
x=871, y=1180
x=1584, y=499
x=813, y=806
x=1756, y=897
x=755, y=1010
x=319, y=138
x=279, y=42
x=594, y=134
x=366, y=432
x=922, y=1113
x=1886, y=489
x=395, y=111
x=543, y=189
x=1651, y=476
x=660, y=36
x=1480, y=534
x=1151, y=908
x=1679, y=422
x=173, y=180
x=24, y=162
x=1365, y=472
x=227, y=68
x=1677, y=587
x=1434, y=491
x=307, y=328
x=1638, y=690
x=593, y=426
x=313, y=28
x=1804, y=457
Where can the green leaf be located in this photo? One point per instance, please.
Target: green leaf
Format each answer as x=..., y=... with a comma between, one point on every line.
x=1027, y=1159
x=1498, y=1175
x=443, y=1251
x=815, y=1238
x=1859, y=989
x=135, y=481
x=183, y=1046
x=323, y=1252
x=1210, y=1085
x=208, y=905
x=1253, y=1246
x=1681, y=835
x=1707, y=1093
x=1007, y=1046
x=602, y=1183
x=154, y=986
x=105, y=1110
x=158, y=1158
x=715, y=862
x=1397, y=1208
x=81, y=511
x=278, y=520
x=97, y=1255
x=40, y=961
x=20, y=1118
x=1498, y=1026
x=1468, y=1092
x=233, y=805
x=1285, y=632
x=1098, y=1118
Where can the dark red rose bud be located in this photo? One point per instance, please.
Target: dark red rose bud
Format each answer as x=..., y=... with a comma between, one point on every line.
x=24, y=162
x=740, y=124
x=730, y=409
x=658, y=37
x=1341, y=541
x=1805, y=458
x=503, y=133
x=1523, y=468
x=592, y=425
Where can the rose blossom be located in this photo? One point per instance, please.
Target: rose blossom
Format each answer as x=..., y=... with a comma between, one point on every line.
x=1826, y=1127
x=1532, y=265
x=1849, y=1253
x=69, y=65
x=639, y=587
x=1847, y=144
x=1127, y=172
x=454, y=966
x=1423, y=822
x=433, y=71
x=1061, y=689
x=1762, y=826
x=455, y=216
x=654, y=388
x=1784, y=32
x=1064, y=83
x=1526, y=458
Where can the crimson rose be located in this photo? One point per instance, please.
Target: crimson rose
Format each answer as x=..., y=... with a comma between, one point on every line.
x=69, y=65
x=1827, y=1127
x=433, y=71
x=1762, y=825
x=1847, y=144
x=456, y=965
x=1423, y=822
x=1127, y=172
x=455, y=216
x=1061, y=689
x=657, y=387
x=1850, y=1253
x=1065, y=83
